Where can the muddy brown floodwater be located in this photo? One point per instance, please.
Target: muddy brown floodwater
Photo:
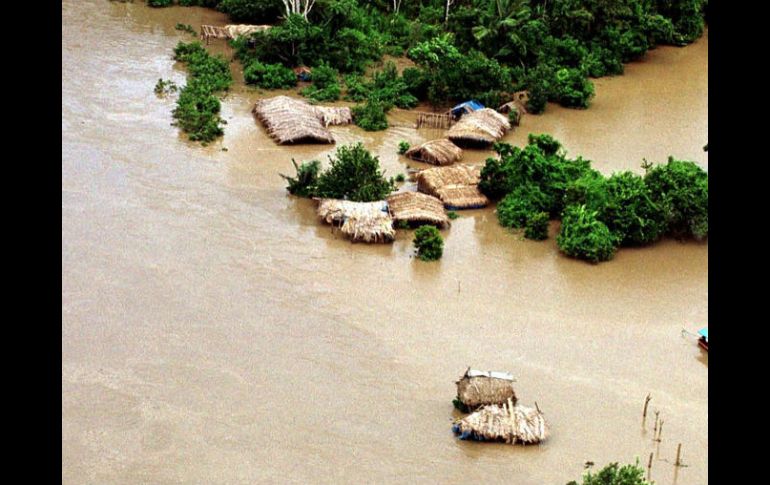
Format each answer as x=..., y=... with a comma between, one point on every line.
x=214, y=332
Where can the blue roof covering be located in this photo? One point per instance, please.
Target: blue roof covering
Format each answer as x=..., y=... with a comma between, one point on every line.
x=704, y=332
x=471, y=105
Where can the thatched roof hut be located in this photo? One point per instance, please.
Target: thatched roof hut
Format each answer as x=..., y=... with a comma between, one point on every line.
x=455, y=186
x=289, y=120
x=360, y=221
x=334, y=115
x=416, y=208
x=478, y=388
x=507, y=422
x=236, y=30
x=436, y=152
x=481, y=127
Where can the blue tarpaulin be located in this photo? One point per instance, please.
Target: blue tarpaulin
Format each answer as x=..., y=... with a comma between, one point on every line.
x=704, y=332
x=467, y=107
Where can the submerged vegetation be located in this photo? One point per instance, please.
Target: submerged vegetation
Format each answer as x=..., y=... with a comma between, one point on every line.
x=354, y=174
x=197, y=109
x=615, y=474
x=428, y=243
x=598, y=214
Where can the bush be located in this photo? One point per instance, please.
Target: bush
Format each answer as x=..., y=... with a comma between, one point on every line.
x=452, y=215
x=583, y=236
x=521, y=204
x=160, y=3
x=537, y=226
x=630, y=213
x=613, y=474
x=356, y=89
x=304, y=184
x=680, y=190
x=428, y=243
x=370, y=116
x=403, y=146
x=355, y=175
x=400, y=178
x=572, y=89
x=326, y=86
x=269, y=76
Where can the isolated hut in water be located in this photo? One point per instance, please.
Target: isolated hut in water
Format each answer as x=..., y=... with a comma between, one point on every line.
x=417, y=209
x=360, y=221
x=289, y=120
x=456, y=186
x=479, y=128
x=436, y=152
x=507, y=422
x=478, y=388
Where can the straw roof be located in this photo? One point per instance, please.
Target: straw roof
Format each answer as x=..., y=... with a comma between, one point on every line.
x=360, y=221
x=479, y=388
x=333, y=115
x=417, y=208
x=507, y=422
x=436, y=152
x=289, y=120
x=235, y=30
x=456, y=186
x=481, y=127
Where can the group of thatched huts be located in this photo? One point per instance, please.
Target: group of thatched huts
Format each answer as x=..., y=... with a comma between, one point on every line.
x=495, y=414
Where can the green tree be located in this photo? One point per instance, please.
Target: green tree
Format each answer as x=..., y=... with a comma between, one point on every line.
x=428, y=243
x=614, y=474
x=354, y=174
x=584, y=236
x=680, y=189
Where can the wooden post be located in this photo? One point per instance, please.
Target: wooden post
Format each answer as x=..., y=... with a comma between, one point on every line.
x=660, y=430
x=649, y=467
x=646, y=402
x=678, y=454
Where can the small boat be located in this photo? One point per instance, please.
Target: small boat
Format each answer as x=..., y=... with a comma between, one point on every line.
x=703, y=341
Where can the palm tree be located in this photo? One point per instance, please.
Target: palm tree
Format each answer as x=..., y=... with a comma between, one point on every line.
x=504, y=19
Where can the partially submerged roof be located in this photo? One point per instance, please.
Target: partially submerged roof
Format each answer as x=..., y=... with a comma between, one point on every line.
x=436, y=152
x=508, y=422
x=467, y=107
x=417, y=208
x=481, y=127
x=236, y=30
x=289, y=120
x=479, y=388
x=360, y=221
x=456, y=186
x=493, y=374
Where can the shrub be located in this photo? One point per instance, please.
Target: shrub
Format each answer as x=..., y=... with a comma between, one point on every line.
x=269, y=76
x=304, y=184
x=356, y=89
x=400, y=177
x=522, y=203
x=452, y=215
x=370, y=116
x=326, y=86
x=680, y=189
x=537, y=226
x=354, y=174
x=615, y=475
x=403, y=146
x=428, y=243
x=514, y=117
x=629, y=211
x=583, y=236
x=572, y=89
x=185, y=28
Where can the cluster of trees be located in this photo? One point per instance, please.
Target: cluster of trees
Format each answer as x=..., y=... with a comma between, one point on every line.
x=353, y=174
x=598, y=214
x=483, y=49
x=197, y=108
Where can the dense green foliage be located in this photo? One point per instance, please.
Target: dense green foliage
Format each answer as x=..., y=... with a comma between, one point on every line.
x=326, y=86
x=428, y=243
x=403, y=146
x=304, y=184
x=354, y=174
x=599, y=214
x=197, y=110
x=269, y=76
x=680, y=189
x=400, y=177
x=537, y=226
x=452, y=215
x=486, y=50
x=371, y=115
x=160, y=3
x=614, y=474
x=584, y=236
x=185, y=28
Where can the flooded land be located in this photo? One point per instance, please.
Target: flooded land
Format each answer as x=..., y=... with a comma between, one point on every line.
x=213, y=331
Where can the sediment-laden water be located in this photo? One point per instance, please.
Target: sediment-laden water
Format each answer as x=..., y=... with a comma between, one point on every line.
x=214, y=332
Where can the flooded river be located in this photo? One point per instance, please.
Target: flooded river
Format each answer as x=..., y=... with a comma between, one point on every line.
x=214, y=332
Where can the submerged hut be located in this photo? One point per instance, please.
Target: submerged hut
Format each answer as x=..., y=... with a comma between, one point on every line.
x=289, y=120
x=360, y=221
x=436, y=152
x=465, y=108
x=507, y=422
x=416, y=209
x=481, y=127
x=456, y=186
x=478, y=388
x=237, y=30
